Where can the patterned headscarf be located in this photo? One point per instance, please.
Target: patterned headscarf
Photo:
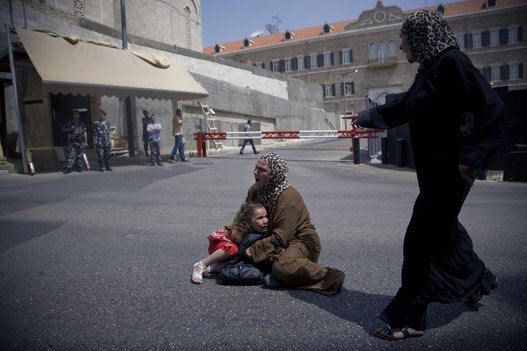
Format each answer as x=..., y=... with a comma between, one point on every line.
x=428, y=34
x=278, y=182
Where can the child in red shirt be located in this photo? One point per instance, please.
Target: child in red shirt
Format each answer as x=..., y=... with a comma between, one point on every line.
x=223, y=243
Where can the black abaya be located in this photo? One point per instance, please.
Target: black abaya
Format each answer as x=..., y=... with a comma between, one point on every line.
x=454, y=118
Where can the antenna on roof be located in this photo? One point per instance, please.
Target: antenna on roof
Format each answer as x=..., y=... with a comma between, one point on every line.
x=257, y=33
x=273, y=28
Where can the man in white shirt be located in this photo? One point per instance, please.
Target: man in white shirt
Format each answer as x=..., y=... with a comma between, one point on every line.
x=154, y=140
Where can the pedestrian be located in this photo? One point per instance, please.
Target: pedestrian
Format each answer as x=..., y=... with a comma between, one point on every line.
x=223, y=243
x=103, y=143
x=154, y=140
x=455, y=122
x=76, y=142
x=247, y=128
x=146, y=121
x=177, y=130
x=292, y=247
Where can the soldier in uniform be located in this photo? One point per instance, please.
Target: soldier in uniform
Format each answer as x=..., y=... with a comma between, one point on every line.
x=76, y=142
x=103, y=144
x=146, y=120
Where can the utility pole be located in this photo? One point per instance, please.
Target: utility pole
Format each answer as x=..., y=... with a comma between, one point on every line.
x=129, y=109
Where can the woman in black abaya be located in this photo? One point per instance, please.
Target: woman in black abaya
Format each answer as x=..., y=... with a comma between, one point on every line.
x=455, y=122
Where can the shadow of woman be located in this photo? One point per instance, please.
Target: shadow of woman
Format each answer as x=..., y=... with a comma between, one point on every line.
x=363, y=308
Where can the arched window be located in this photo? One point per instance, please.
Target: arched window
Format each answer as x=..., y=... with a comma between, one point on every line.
x=372, y=52
x=382, y=52
x=391, y=49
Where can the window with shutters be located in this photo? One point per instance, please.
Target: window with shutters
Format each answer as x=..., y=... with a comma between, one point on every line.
x=495, y=73
x=515, y=71
x=513, y=34
x=327, y=59
x=504, y=72
x=287, y=65
x=275, y=66
x=485, y=71
x=300, y=62
x=345, y=57
x=461, y=41
x=494, y=37
x=313, y=61
x=485, y=38
x=476, y=40
x=348, y=88
x=468, y=40
x=328, y=90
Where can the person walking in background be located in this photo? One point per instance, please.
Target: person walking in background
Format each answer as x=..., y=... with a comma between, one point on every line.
x=77, y=137
x=247, y=128
x=154, y=140
x=177, y=130
x=455, y=121
x=103, y=144
x=292, y=247
x=146, y=121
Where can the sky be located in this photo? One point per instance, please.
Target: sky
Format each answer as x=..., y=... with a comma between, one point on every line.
x=224, y=21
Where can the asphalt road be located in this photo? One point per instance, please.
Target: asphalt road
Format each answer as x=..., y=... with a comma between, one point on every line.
x=102, y=261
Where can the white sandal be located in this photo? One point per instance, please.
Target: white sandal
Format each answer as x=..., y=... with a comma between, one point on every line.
x=197, y=274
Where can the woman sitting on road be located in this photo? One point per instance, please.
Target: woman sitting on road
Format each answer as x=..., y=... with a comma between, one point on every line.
x=293, y=246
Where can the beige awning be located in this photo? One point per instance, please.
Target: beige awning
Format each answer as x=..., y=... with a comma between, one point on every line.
x=86, y=68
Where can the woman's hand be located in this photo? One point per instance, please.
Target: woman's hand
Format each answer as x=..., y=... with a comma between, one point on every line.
x=467, y=173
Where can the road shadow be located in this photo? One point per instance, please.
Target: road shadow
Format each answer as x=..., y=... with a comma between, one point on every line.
x=16, y=232
x=363, y=308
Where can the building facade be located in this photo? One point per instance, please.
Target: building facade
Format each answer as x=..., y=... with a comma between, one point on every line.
x=360, y=58
x=358, y=62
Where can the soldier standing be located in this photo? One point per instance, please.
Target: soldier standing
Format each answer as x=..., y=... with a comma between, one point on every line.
x=103, y=144
x=76, y=138
x=146, y=120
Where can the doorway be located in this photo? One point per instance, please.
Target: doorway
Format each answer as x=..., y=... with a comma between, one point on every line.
x=61, y=110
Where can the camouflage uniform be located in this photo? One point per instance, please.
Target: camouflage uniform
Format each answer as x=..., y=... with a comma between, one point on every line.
x=103, y=144
x=75, y=145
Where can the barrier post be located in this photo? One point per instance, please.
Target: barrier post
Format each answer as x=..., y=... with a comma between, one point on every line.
x=384, y=150
x=204, y=144
x=356, y=150
x=198, y=143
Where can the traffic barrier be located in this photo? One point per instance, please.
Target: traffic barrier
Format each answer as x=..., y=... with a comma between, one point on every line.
x=202, y=137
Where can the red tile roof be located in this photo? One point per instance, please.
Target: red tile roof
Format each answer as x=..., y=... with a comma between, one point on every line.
x=452, y=9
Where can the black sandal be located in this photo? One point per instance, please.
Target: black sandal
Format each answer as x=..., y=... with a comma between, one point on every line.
x=386, y=333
